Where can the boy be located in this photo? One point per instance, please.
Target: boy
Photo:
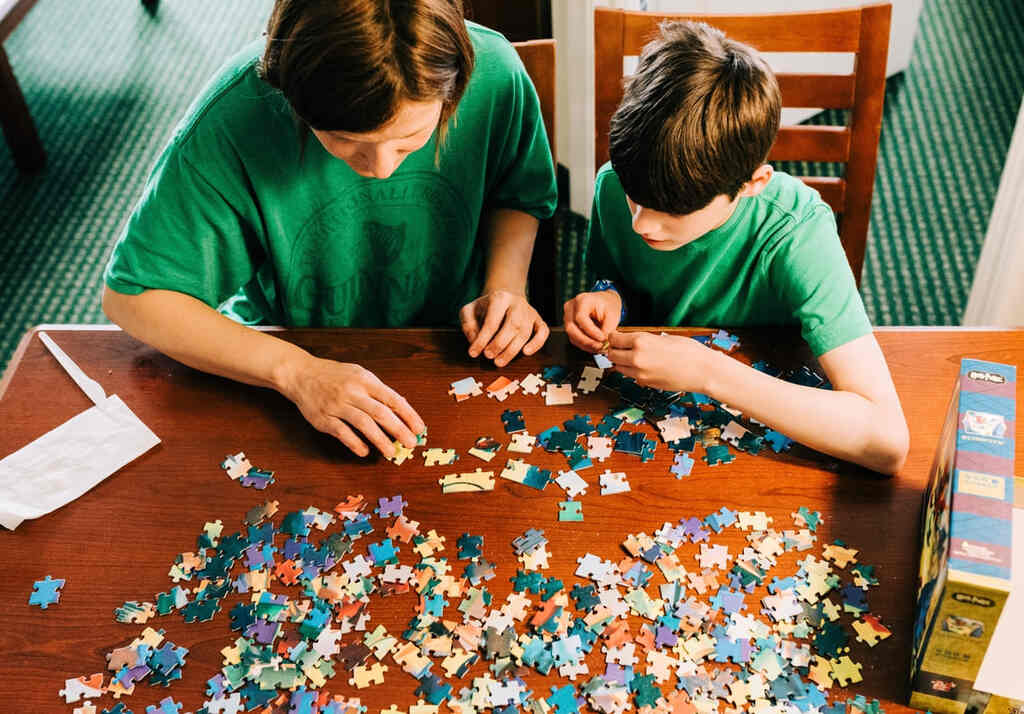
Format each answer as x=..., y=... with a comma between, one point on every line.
x=690, y=226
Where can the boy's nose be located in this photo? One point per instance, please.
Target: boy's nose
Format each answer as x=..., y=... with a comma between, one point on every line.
x=643, y=222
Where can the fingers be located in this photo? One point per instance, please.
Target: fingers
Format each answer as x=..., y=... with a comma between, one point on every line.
x=540, y=336
x=398, y=404
x=577, y=337
x=496, y=308
x=571, y=313
x=623, y=349
x=467, y=318
x=341, y=431
x=510, y=333
x=388, y=421
x=363, y=423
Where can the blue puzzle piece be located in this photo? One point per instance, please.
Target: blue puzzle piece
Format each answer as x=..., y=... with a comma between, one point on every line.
x=46, y=592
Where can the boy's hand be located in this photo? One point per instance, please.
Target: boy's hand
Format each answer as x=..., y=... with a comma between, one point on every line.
x=669, y=362
x=501, y=324
x=590, y=318
x=341, y=399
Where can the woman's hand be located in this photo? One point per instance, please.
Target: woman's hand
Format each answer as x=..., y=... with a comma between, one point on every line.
x=501, y=324
x=349, y=402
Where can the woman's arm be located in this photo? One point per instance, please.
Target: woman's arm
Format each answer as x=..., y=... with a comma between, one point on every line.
x=336, y=398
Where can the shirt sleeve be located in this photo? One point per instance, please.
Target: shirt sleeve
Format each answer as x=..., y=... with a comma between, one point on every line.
x=184, y=235
x=810, y=274
x=596, y=256
x=526, y=178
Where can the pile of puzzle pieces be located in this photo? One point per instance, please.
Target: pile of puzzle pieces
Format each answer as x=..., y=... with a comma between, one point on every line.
x=684, y=421
x=673, y=624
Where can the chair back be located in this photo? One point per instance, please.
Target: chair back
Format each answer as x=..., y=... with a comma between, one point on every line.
x=863, y=31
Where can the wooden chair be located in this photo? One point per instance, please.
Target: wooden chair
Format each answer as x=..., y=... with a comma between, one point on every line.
x=19, y=129
x=538, y=57
x=863, y=31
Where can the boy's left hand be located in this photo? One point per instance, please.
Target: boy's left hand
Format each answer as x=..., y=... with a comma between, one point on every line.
x=500, y=324
x=671, y=362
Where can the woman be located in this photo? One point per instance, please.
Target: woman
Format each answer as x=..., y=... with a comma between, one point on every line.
x=373, y=163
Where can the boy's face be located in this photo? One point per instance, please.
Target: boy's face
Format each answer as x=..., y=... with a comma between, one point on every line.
x=666, y=231
x=378, y=153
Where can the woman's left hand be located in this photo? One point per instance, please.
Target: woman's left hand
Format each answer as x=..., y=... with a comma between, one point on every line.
x=501, y=324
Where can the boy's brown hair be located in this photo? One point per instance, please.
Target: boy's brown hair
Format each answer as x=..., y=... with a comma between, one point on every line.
x=697, y=118
x=347, y=65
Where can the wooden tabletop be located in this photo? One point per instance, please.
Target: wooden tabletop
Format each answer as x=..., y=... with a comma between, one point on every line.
x=117, y=542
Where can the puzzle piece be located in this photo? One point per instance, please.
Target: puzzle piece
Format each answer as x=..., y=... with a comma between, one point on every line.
x=839, y=554
x=401, y=454
x=682, y=465
x=79, y=687
x=714, y=455
x=531, y=384
x=845, y=671
x=779, y=442
x=724, y=341
x=570, y=511
x=599, y=447
x=362, y=677
x=515, y=470
x=502, y=388
x=439, y=457
x=870, y=630
x=485, y=448
x=522, y=443
x=558, y=394
x=513, y=421
x=46, y=592
x=590, y=379
x=390, y=507
x=165, y=706
x=470, y=482
x=613, y=483
x=465, y=388
x=572, y=483
x=236, y=465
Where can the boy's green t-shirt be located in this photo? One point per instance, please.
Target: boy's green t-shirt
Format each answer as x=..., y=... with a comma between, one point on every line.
x=244, y=213
x=776, y=261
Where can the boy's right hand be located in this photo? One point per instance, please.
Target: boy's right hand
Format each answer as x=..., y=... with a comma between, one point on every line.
x=341, y=399
x=590, y=318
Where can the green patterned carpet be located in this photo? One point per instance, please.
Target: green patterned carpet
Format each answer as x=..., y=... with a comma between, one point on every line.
x=106, y=82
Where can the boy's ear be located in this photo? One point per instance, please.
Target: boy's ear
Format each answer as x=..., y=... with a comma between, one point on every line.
x=758, y=180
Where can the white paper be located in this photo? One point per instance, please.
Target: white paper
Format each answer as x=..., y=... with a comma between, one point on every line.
x=64, y=463
x=1000, y=670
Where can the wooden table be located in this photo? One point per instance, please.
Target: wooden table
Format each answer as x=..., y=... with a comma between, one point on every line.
x=117, y=542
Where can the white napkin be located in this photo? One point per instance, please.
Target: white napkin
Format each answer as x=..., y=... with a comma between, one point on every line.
x=64, y=463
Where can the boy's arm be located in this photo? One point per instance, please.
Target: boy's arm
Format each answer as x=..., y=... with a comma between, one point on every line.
x=861, y=420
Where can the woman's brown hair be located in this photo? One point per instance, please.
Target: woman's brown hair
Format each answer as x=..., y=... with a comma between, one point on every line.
x=347, y=65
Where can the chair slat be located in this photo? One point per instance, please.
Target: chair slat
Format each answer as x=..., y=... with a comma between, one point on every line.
x=824, y=31
x=832, y=190
x=824, y=91
x=811, y=143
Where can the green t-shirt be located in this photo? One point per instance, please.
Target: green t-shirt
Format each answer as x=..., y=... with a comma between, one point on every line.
x=777, y=261
x=248, y=216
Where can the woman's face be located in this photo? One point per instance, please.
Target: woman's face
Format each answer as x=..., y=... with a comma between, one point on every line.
x=378, y=153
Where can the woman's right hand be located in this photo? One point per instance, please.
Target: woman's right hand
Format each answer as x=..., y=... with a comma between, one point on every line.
x=349, y=402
